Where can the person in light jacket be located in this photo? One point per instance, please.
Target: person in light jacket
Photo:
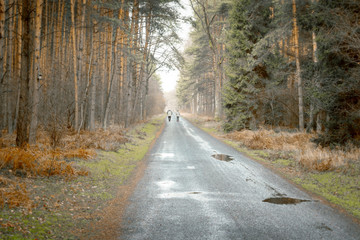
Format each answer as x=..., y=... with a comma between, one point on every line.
x=169, y=114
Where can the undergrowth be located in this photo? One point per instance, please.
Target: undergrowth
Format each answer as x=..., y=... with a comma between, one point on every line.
x=308, y=154
x=60, y=188
x=54, y=154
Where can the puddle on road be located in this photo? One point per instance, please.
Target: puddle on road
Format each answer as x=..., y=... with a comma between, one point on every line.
x=223, y=157
x=323, y=227
x=183, y=195
x=165, y=185
x=285, y=200
x=165, y=155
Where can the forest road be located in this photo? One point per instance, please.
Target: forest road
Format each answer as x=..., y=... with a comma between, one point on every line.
x=191, y=191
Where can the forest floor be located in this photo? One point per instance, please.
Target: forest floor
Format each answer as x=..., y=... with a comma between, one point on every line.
x=330, y=175
x=80, y=196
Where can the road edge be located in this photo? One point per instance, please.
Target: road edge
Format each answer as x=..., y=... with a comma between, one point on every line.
x=113, y=214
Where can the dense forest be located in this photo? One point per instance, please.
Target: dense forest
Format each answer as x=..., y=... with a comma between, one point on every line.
x=292, y=64
x=83, y=64
x=89, y=64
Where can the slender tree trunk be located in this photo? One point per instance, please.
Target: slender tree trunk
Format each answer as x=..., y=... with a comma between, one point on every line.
x=127, y=85
x=17, y=55
x=320, y=113
x=22, y=132
x=4, y=80
x=8, y=69
x=93, y=78
x=59, y=26
x=73, y=35
x=60, y=55
x=82, y=39
x=50, y=76
x=84, y=102
x=298, y=68
x=313, y=111
x=37, y=74
x=105, y=73
x=134, y=48
x=81, y=62
x=2, y=40
x=121, y=84
x=2, y=60
x=112, y=74
x=143, y=69
x=92, y=104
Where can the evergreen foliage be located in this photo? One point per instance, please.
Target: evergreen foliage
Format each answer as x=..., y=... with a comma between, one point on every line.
x=256, y=71
x=339, y=70
x=272, y=49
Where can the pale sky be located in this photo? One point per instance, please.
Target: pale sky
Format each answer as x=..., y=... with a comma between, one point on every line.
x=169, y=78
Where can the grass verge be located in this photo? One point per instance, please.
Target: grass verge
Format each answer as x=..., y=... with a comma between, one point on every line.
x=70, y=208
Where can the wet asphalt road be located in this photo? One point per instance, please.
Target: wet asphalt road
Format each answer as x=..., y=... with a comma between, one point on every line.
x=188, y=194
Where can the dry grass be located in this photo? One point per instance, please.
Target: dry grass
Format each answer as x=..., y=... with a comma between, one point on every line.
x=325, y=159
x=52, y=156
x=308, y=155
x=268, y=139
x=35, y=161
x=108, y=140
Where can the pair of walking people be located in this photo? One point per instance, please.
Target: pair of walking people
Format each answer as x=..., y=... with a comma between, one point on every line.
x=170, y=113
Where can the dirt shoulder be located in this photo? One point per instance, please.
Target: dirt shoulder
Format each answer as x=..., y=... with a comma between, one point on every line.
x=336, y=186
x=81, y=207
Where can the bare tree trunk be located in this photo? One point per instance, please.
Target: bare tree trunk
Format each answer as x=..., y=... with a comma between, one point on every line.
x=9, y=69
x=88, y=88
x=320, y=115
x=313, y=111
x=82, y=66
x=112, y=74
x=60, y=56
x=2, y=60
x=298, y=69
x=127, y=85
x=121, y=86
x=37, y=74
x=73, y=35
x=4, y=80
x=92, y=104
x=2, y=40
x=134, y=50
x=81, y=74
x=22, y=132
x=144, y=78
x=107, y=39
x=93, y=79
x=16, y=68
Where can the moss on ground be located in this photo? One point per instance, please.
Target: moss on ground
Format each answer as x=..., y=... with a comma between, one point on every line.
x=337, y=187
x=284, y=162
x=38, y=225
x=64, y=208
